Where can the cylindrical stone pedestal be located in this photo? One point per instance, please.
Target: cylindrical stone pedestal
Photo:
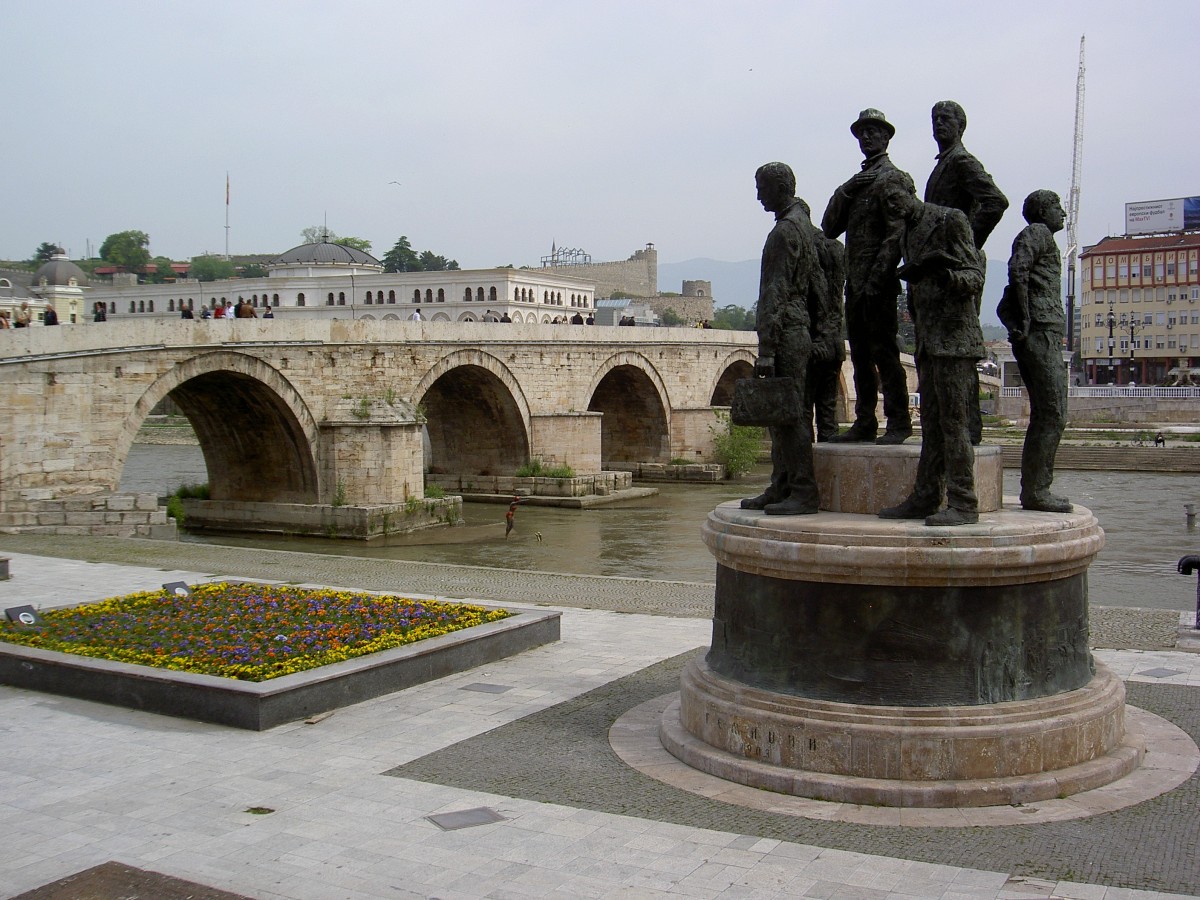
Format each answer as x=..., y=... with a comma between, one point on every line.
x=887, y=662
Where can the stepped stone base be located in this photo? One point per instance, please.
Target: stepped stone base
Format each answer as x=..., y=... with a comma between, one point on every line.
x=983, y=755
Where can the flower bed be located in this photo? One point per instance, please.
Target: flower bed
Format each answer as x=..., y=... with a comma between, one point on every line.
x=255, y=656
x=247, y=631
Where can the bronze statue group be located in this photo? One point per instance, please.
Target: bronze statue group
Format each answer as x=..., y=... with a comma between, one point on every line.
x=935, y=247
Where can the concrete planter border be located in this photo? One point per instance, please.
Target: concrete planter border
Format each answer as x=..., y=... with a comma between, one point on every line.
x=261, y=705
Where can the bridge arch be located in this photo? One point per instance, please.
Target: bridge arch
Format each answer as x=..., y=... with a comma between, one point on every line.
x=738, y=364
x=477, y=417
x=258, y=437
x=629, y=391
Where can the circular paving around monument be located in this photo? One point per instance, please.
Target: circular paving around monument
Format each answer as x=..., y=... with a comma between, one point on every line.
x=1171, y=759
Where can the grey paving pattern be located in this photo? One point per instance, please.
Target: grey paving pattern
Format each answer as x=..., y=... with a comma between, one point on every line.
x=562, y=755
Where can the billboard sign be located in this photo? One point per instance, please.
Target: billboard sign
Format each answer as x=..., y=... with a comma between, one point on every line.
x=1153, y=216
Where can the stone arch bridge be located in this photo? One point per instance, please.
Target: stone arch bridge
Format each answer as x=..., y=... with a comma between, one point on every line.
x=332, y=412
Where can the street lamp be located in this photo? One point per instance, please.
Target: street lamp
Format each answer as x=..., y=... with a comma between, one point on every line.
x=1131, y=324
x=1112, y=350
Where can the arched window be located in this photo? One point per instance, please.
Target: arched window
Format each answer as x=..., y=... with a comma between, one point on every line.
x=171, y=306
x=300, y=299
x=560, y=298
x=545, y=297
x=254, y=300
x=416, y=295
x=492, y=293
x=341, y=298
x=428, y=295
x=516, y=295
x=112, y=307
x=441, y=298
x=141, y=306
x=151, y=306
x=479, y=295
x=391, y=296
x=133, y=306
x=274, y=299
x=467, y=295
x=329, y=299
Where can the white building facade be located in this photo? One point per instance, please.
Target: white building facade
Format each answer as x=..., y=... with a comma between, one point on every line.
x=331, y=281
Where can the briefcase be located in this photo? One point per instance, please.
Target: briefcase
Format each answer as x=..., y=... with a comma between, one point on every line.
x=765, y=401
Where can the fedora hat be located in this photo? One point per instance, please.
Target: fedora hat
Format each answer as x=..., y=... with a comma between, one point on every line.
x=868, y=116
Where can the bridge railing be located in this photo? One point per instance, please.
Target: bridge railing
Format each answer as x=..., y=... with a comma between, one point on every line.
x=1112, y=390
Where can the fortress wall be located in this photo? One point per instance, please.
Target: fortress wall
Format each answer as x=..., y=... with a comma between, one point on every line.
x=637, y=275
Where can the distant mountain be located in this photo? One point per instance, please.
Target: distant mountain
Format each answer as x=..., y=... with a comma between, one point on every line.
x=737, y=282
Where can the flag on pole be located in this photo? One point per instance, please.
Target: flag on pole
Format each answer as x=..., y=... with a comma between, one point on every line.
x=226, y=188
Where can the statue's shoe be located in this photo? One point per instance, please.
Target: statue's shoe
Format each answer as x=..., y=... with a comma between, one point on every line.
x=1047, y=503
x=952, y=516
x=791, y=507
x=856, y=434
x=909, y=509
x=895, y=436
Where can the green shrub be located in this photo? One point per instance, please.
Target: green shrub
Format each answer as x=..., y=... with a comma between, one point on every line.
x=736, y=447
x=535, y=469
x=531, y=469
x=181, y=493
x=435, y=491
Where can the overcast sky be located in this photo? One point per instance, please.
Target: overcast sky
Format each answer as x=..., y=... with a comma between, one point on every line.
x=598, y=125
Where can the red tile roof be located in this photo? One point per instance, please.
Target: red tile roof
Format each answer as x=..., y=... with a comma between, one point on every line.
x=1175, y=241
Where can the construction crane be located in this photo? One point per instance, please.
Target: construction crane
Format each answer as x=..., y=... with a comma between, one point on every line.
x=1073, y=201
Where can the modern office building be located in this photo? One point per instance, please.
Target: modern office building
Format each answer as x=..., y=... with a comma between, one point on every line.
x=1139, y=312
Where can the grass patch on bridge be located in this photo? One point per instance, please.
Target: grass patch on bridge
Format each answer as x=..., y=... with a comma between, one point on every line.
x=249, y=632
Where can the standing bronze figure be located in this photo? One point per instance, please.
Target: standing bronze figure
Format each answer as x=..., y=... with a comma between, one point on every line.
x=959, y=181
x=828, y=342
x=872, y=289
x=944, y=276
x=1032, y=311
x=786, y=288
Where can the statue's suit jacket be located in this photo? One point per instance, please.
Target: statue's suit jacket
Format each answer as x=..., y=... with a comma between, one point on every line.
x=938, y=239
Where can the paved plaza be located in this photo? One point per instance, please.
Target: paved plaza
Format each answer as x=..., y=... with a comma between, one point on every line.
x=362, y=803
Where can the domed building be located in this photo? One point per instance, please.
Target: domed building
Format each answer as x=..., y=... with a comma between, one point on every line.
x=324, y=258
x=59, y=283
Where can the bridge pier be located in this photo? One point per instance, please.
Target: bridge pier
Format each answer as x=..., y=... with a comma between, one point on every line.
x=371, y=484
x=567, y=439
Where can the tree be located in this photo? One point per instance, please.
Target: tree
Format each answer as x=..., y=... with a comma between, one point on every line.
x=317, y=234
x=126, y=249
x=670, y=317
x=254, y=270
x=161, y=270
x=44, y=251
x=356, y=242
x=432, y=262
x=402, y=257
x=733, y=318
x=210, y=268
x=736, y=447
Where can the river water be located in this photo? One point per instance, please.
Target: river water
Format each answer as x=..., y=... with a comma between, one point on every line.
x=659, y=537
